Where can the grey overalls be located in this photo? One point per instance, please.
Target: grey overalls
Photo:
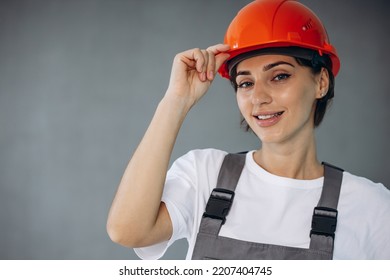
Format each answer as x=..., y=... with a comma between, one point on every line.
x=209, y=245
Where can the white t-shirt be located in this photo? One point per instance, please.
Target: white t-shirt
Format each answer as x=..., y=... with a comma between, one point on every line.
x=274, y=210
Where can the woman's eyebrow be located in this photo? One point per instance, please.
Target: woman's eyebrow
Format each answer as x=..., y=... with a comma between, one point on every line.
x=265, y=68
x=272, y=65
x=245, y=73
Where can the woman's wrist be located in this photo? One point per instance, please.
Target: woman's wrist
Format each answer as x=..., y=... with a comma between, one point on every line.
x=176, y=104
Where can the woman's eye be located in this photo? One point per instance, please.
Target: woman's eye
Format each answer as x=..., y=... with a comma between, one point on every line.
x=281, y=77
x=245, y=85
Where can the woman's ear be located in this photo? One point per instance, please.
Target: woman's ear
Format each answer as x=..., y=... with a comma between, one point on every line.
x=323, y=83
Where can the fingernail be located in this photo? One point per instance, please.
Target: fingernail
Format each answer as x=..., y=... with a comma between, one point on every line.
x=211, y=75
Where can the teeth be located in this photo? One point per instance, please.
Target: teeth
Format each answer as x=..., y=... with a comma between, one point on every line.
x=266, y=117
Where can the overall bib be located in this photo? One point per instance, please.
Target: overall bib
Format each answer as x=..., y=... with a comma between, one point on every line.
x=209, y=245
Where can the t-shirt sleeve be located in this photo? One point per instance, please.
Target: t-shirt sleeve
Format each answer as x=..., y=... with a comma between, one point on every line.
x=378, y=227
x=178, y=195
x=364, y=210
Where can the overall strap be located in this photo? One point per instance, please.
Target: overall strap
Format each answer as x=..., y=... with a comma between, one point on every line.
x=230, y=171
x=222, y=196
x=324, y=219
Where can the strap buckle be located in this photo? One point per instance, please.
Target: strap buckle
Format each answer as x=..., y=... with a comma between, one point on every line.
x=324, y=221
x=219, y=204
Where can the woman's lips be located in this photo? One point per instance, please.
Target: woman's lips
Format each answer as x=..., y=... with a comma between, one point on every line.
x=267, y=119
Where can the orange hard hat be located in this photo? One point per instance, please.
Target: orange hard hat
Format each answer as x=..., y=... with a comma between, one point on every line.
x=277, y=24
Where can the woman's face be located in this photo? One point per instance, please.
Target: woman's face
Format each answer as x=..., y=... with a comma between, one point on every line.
x=277, y=97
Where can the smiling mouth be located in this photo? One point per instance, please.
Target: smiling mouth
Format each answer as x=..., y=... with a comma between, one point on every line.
x=269, y=116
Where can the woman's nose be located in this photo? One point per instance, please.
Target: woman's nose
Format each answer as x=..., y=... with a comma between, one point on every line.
x=260, y=95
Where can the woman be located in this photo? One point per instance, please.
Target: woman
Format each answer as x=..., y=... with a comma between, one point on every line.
x=278, y=202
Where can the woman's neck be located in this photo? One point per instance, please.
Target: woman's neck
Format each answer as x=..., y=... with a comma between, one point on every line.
x=292, y=161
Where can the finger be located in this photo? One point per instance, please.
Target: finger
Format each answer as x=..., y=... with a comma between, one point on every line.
x=211, y=66
x=219, y=48
x=221, y=55
x=199, y=59
x=220, y=59
x=206, y=60
x=202, y=65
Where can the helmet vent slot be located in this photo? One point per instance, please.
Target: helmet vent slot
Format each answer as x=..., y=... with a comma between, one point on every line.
x=308, y=25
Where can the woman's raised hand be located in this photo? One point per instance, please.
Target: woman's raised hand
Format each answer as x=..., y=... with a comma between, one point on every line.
x=193, y=71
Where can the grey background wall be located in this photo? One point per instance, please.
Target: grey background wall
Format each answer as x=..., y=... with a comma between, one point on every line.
x=79, y=82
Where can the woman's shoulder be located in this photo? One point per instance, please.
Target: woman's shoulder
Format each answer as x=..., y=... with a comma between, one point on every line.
x=362, y=182
x=206, y=153
x=199, y=159
x=364, y=207
x=364, y=188
x=203, y=156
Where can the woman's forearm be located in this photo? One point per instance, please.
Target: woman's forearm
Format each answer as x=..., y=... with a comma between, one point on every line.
x=134, y=214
